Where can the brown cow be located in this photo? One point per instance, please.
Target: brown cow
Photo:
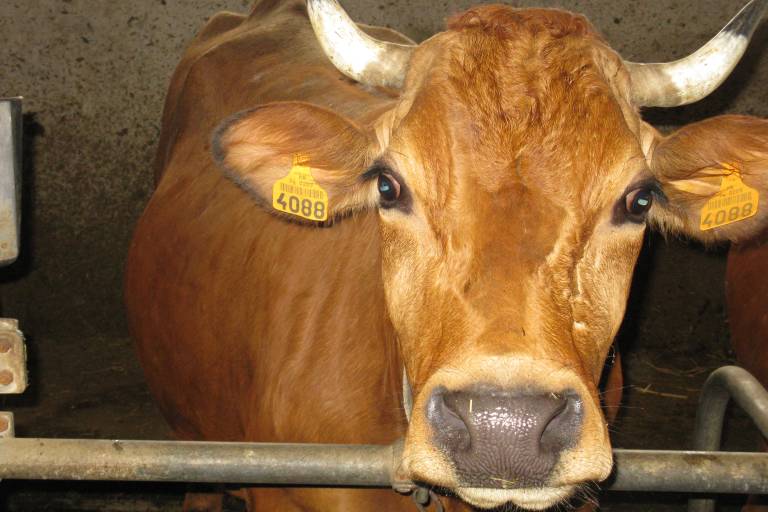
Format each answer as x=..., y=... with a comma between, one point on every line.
x=746, y=293
x=747, y=290
x=485, y=196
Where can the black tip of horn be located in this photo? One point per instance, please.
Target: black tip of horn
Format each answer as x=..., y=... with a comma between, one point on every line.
x=748, y=18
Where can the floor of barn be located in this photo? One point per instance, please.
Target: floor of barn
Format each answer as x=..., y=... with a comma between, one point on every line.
x=93, y=388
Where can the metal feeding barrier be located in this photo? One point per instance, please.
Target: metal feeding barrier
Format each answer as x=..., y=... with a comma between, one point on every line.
x=328, y=465
x=722, y=385
x=319, y=465
x=703, y=471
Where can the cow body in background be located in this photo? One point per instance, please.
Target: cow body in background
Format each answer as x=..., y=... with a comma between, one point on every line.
x=468, y=210
x=746, y=287
x=746, y=293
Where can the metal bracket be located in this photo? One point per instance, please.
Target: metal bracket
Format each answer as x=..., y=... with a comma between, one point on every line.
x=13, y=369
x=13, y=358
x=423, y=498
x=10, y=179
x=13, y=352
x=6, y=425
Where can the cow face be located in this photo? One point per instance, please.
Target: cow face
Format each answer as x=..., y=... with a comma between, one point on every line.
x=520, y=194
x=513, y=180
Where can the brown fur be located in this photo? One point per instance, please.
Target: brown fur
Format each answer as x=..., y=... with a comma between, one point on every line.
x=516, y=141
x=746, y=290
x=746, y=286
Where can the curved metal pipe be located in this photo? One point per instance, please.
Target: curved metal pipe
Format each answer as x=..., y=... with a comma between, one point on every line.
x=722, y=385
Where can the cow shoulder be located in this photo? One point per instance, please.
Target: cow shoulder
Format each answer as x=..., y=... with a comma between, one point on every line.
x=210, y=35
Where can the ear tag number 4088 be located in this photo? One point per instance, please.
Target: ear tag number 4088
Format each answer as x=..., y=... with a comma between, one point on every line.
x=299, y=194
x=734, y=202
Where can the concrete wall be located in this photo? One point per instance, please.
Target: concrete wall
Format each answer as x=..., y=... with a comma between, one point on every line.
x=94, y=73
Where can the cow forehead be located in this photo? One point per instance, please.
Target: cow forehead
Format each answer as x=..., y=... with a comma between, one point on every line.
x=533, y=98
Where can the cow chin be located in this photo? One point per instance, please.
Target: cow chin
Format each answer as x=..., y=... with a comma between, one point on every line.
x=528, y=499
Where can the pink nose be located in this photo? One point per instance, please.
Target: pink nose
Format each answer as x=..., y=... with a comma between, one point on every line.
x=504, y=438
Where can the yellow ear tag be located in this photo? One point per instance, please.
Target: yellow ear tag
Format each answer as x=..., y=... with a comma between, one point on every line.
x=298, y=193
x=734, y=202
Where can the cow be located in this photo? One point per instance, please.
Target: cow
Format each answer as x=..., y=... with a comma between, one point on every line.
x=746, y=290
x=343, y=218
x=746, y=286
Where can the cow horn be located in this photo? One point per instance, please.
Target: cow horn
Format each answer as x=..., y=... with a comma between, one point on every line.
x=670, y=84
x=355, y=53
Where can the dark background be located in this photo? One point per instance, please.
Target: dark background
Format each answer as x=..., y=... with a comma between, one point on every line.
x=94, y=73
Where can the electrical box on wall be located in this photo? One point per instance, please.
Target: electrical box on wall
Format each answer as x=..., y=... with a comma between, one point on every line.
x=10, y=179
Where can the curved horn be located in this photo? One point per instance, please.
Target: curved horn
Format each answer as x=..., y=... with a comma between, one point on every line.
x=692, y=78
x=354, y=52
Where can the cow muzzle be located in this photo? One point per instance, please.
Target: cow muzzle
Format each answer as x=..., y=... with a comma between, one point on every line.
x=531, y=437
x=498, y=437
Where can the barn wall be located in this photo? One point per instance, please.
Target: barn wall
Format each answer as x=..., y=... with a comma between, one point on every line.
x=94, y=73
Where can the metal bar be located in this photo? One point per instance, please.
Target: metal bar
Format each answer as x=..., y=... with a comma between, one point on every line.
x=13, y=356
x=690, y=471
x=722, y=385
x=174, y=461
x=337, y=465
x=725, y=383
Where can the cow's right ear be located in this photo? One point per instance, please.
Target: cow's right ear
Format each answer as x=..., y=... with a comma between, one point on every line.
x=297, y=159
x=714, y=175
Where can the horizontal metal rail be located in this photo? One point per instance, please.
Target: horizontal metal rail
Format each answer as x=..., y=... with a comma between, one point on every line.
x=338, y=465
x=180, y=461
x=690, y=471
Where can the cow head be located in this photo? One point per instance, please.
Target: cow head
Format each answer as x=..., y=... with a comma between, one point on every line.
x=514, y=179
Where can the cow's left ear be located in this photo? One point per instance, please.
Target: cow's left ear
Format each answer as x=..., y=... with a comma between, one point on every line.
x=297, y=159
x=714, y=175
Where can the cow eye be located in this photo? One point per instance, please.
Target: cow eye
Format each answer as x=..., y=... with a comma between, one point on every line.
x=389, y=188
x=637, y=203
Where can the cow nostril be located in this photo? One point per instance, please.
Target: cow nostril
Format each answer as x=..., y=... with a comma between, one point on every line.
x=564, y=420
x=445, y=419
